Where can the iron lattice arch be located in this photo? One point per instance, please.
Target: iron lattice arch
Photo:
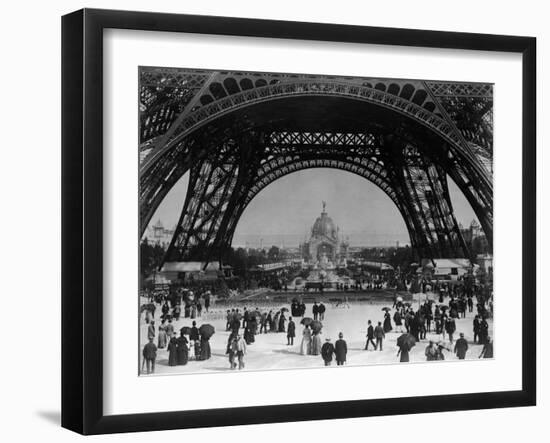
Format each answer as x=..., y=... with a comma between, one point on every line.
x=238, y=132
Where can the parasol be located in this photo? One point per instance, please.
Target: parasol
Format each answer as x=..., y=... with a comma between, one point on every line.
x=284, y=309
x=406, y=339
x=206, y=331
x=443, y=307
x=306, y=321
x=316, y=326
x=385, y=308
x=399, y=298
x=186, y=330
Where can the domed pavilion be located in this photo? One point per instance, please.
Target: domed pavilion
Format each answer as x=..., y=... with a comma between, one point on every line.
x=324, y=240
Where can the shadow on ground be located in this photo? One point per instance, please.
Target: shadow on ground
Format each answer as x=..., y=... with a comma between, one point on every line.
x=53, y=417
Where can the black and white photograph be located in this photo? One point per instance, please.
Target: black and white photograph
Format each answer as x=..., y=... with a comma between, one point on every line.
x=294, y=221
x=275, y=221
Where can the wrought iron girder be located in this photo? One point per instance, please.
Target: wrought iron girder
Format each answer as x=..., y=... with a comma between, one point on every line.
x=421, y=185
x=454, y=89
x=310, y=87
x=213, y=195
x=412, y=177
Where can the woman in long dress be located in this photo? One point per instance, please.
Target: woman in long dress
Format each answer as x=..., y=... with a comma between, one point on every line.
x=387, y=323
x=162, y=335
x=398, y=321
x=305, y=348
x=173, y=352
x=282, y=323
x=183, y=350
x=404, y=353
x=274, y=322
x=205, y=349
x=316, y=344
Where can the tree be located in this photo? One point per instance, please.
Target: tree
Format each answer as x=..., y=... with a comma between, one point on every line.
x=273, y=254
x=150, y=257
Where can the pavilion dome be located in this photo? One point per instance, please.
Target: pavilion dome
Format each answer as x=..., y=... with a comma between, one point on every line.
x=324, y=226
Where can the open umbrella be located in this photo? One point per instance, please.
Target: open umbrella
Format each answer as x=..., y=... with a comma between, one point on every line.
x=443, y=307
x=407, y=339
x=385, y=308
x=284, y=309
x=206, y=331
x=399, y=298
x=306, y=321
x=185, y=330
x=316, y=326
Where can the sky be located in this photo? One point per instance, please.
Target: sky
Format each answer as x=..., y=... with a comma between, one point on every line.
x=282, y=213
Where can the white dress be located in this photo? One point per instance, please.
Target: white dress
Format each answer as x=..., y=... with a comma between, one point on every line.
x=305, y=348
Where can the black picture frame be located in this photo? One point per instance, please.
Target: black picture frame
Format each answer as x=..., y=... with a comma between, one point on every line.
x=82, y=218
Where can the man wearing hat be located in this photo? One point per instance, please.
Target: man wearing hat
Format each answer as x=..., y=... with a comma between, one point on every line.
x=370, y=337
x=379, y=334
x=461, y=346
x=291, y=332
x=150, y=355
x=340, y=350
x=327, y=350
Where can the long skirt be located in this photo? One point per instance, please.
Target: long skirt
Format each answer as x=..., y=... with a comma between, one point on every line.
x=172, y=356
x=162, y=339
x=182, y=355
x=316, y=345
x=205, y=350
x=305, y=348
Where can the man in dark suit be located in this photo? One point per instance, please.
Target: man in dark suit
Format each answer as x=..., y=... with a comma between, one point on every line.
x=461, y=346
x=379, y=334
x=370, y=337
x=149, y=356
x=327, y=351
x=291, y=332
x=340, y=350
x=322, y=310
x=315, y=311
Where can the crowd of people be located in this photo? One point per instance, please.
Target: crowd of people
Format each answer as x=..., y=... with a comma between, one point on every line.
x=191, y=342
x=413, y=321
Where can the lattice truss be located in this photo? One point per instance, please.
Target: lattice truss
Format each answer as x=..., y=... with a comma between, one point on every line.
x=229, y=166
